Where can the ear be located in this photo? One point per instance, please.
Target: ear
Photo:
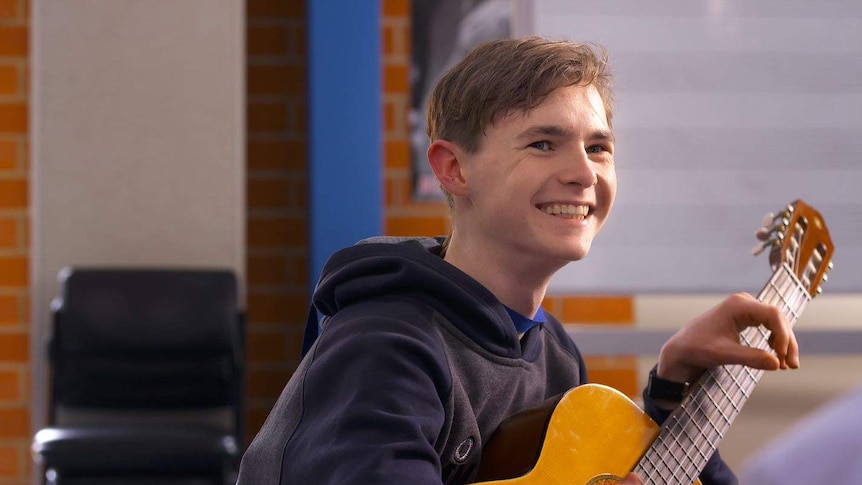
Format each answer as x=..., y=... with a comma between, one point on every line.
x=445, y=158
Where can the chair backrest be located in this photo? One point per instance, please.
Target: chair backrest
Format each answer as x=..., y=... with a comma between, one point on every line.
x=146, y=339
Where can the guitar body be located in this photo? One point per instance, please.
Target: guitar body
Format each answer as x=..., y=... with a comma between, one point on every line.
x=595, y=436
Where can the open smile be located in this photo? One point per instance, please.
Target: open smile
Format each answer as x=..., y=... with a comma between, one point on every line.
x=566, y=211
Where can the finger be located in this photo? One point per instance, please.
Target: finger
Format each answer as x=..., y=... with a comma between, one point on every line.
x=751, y=312
x=751, y=357
x=631, y=479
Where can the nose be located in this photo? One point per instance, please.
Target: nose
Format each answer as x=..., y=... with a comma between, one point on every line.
x=579, y=169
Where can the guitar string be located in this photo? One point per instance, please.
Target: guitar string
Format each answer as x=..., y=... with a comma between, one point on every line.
x=704, y=443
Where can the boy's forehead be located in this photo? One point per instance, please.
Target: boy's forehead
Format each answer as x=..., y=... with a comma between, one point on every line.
x=556, y=104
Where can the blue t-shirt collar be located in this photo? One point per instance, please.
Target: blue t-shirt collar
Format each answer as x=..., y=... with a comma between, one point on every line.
x=522, y=323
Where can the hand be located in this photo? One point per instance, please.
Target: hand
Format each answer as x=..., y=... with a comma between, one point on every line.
x=631, y=479
x=712, y=339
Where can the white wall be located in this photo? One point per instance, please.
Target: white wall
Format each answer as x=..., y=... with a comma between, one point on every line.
x=138, y=140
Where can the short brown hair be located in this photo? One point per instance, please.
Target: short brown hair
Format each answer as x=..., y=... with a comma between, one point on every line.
x=503, y=76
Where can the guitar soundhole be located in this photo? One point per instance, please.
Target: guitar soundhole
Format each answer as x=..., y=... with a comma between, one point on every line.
x=604, y=479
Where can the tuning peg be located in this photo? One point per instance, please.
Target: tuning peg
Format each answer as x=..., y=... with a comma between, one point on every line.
x=829, y=266
x=762, y=233
x=759, y=247
x=825, y=278
x=767, y=219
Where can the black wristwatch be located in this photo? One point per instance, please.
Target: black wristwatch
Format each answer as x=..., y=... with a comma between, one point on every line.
x=658, y=388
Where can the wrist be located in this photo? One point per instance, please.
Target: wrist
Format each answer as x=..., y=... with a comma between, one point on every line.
x=666, y=390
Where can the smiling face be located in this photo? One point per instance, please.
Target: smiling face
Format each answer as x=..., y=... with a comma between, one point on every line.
x=541, y=183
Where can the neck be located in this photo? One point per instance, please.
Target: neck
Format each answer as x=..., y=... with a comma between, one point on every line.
x=520, y=285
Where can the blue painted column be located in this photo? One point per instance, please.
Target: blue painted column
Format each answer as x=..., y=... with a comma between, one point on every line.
x=345, y=133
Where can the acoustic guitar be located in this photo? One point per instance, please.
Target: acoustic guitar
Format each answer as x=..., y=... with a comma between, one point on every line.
x=593, y=434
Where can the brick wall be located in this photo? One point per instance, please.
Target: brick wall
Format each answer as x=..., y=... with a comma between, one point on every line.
x=277, y=235
x=14, y=246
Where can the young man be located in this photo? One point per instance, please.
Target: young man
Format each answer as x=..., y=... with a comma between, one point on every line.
x=428, y=344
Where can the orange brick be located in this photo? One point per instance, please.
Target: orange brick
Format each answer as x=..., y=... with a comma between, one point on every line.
x=266, y=117
x=268, y=194
x=598, y=309
x=14, y=347
x=267, y=270
x=621, y=373
x=416, y=226
x=9, y=310
x=388, y=40
x=396, y=8
x=8, y=79
x=8, y=8
x=299, y=194
x=277, y=232
x=276, y=79
x=13, y=194
x=266, y=40
x=13, y=271
x=13, y=40
x=10, y=462
x=270, y=8
x=8, y=233
x=14, y=423
x=397, y=153
x=277, y=155
x=396, y=78
x=300, y=119
x=10, y=386
x=277, y=308
x=267, y=347
x=390, y=115
x=13, y=117
x=8, y=154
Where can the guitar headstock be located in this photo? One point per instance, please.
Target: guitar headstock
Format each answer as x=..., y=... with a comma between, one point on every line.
x=798, y=237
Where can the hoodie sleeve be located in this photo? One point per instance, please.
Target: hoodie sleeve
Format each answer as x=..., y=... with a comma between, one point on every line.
x=372, y=406
x=716, y=471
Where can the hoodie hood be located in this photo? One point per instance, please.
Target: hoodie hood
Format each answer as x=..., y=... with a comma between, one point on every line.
x=383, y=267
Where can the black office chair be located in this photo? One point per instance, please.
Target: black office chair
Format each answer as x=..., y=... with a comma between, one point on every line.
x=146, y=378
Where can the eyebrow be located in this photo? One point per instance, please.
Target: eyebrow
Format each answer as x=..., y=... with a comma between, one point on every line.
x=557, y=131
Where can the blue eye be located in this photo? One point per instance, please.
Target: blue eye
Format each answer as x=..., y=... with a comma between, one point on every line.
x=543, y=145
x=595, y=149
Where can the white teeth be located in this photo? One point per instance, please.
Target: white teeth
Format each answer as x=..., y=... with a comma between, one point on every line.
x=567, y=211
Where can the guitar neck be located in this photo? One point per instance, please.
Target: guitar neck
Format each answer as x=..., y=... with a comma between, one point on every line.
x=692, y=432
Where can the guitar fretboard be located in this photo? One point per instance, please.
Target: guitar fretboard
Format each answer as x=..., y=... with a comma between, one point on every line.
x=692, y=432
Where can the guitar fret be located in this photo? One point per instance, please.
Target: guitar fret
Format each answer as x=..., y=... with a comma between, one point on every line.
x=695, y=428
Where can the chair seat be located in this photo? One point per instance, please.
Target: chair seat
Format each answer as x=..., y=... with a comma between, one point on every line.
x=123, y=449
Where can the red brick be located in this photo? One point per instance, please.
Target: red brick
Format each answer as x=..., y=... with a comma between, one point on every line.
x=10, y=385
x=14, y=423
x=276, y=155
x=277, y=232
x=268, y=194
x=10, y=462
x=621, y=373
x=266, y=40
x=8, y=79
x=267, y=347
x=416, y=226
x=396, y=79
x=267, y=117
x=397, y=153
x=13, y=117
x=300, y=271
x=9, y=310
x=13, y=40
x=8, y=9
x=13, y=271
x=598, y=309
x=276, y=79
x=14, y=347
x=8, y=154
x=266, y=383
x=8, y=233
x=267, y=270
x=13, y=194
x=275, y=8
x=396, y=8
x=277, y=308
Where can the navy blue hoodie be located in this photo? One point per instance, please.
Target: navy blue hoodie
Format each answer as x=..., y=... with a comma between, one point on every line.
x=415, y=366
